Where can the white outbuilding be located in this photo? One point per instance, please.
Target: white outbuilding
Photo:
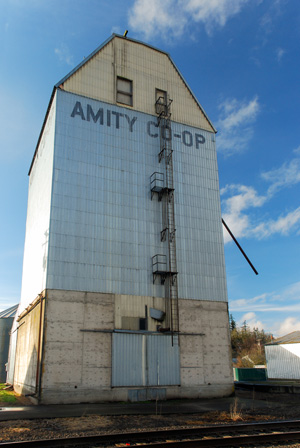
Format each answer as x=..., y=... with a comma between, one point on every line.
x=283, y=357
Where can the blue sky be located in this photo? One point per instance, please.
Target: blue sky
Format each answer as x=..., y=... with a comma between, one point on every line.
x=241, y=59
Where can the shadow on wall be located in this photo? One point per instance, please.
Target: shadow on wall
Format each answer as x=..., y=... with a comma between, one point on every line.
x=27, y=361
x=25, y=375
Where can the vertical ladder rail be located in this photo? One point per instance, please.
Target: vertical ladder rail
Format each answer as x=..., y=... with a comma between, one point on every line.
x=168, y=233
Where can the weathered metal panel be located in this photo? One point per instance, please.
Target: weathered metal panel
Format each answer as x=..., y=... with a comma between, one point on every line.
x=145, y=360
x=148, y=68
x=104, y=226
x=163, y=361
x=128, y=360
x=283, y=361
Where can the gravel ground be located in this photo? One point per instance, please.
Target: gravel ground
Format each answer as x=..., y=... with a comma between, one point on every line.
x=288, y=408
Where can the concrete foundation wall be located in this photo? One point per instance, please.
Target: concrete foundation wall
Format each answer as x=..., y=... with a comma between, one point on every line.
x=206, y=369
x=78, y=359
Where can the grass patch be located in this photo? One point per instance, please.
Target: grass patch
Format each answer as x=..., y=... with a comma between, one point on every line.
x=236, y=411
x=6, y=396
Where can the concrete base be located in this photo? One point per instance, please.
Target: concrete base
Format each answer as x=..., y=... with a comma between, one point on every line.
x=76, y=350
x=133, y=395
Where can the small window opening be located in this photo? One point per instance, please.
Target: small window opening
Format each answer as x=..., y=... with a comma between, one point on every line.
x=143, y=323
x=160, y=101
x=124, y=91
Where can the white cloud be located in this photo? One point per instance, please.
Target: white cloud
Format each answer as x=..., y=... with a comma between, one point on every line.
x=287, y=326
x=246, y=197
x=237, y=200
x=64, y=54
x=244, y=304
x=241, y=224
x=288, y=174
x=235, y=124
x=237, y=113
x=252, y=321
x=267, y=308
x=156, y=17
x=213, y=12
x=170, y=18
x=234, y=206
x=283, y=225
x=275, y=301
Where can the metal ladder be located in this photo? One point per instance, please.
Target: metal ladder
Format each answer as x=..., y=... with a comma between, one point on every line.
x=168, y=232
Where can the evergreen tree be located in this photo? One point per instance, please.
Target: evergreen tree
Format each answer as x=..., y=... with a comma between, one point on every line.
x=232, y=322
x=247, y=345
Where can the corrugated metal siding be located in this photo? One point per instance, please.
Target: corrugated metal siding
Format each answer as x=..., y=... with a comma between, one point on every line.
x=148, y=69
x=104, y=226
x=5, y=327
x=163, y=361
x=10, y=312
x=129, y=360
x=283, y=361
x=38, y=217
x=12, y=356
x=144, y=360
x=37, y=228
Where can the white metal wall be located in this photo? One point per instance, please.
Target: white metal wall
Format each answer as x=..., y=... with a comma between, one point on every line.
x=283, y=361
x=38, y=217
x=37, y=229
x=105, y=228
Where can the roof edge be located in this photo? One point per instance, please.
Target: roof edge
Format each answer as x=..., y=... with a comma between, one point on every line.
x=42, y=129
x=191, y=92
x=9, y=312
x=85, y=60
x=88, y=58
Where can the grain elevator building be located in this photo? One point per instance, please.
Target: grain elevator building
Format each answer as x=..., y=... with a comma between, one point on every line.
x=124, y=289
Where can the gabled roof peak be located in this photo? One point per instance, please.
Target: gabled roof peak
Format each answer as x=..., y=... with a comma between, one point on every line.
x=107, y=41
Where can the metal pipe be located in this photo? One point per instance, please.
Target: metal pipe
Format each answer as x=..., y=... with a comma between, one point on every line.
x=238, y=245
x=42, y=347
